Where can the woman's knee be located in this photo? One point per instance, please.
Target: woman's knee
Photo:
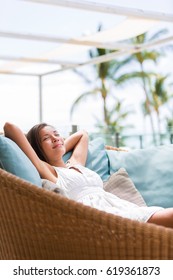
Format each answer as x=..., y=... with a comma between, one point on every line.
x=163, y=217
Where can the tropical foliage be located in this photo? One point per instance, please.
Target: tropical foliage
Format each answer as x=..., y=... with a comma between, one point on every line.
x=106, y=79
x=109, y=76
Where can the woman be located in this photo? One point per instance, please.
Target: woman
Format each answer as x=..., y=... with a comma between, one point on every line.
x=45, y=148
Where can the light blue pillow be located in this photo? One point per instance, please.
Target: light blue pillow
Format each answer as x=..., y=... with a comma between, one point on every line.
x=151, y=171
x=97, y=159
x=13, y=160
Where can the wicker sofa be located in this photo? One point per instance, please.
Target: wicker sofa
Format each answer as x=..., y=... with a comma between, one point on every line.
x=39, y=224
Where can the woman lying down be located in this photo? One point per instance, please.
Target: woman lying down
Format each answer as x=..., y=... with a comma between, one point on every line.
x=45, y=148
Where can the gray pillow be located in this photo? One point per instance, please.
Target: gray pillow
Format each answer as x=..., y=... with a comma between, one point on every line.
x=122, y=186
x=48, y=185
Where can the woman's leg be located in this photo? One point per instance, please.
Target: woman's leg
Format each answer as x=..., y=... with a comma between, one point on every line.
x=163, y=218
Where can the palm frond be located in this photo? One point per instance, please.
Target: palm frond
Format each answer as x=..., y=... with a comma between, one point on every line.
x=129, y=77
x=158, y=34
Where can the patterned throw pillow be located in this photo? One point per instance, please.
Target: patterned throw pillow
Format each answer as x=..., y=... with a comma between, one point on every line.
x=122, y=186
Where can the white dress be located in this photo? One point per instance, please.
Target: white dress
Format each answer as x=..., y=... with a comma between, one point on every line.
x=86, y=187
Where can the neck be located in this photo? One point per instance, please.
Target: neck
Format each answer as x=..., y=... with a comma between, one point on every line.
x=58, y=163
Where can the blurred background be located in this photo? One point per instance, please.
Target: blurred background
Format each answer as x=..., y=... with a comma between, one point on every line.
x=127, y=100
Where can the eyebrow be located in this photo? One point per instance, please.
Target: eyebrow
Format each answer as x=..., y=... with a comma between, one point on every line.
x=47, y=134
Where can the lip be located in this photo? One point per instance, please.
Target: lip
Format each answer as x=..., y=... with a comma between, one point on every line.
x=57, y=146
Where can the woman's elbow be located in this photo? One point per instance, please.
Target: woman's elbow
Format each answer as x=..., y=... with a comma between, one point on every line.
x=85, y=134
x=7, y=127
x=10, y=129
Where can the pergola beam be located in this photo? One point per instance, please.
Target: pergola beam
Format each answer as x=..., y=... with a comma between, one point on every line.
x=100, y=59
x=37, y=60
x=107, y=8
x=10, y=72
x=113, y=55
x=82, y=42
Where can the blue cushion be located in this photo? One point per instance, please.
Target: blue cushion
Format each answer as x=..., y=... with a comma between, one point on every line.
x=150, y=169
x=97, y=159
x=13, y=160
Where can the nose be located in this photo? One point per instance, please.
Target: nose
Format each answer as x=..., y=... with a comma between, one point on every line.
x=55, y=138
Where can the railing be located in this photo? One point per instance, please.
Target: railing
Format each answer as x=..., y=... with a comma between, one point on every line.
x=132, y=141
x=139, y=141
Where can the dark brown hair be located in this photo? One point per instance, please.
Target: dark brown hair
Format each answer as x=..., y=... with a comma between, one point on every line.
x=33, y=137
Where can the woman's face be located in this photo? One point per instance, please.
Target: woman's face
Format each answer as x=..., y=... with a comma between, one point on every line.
x=52, y=144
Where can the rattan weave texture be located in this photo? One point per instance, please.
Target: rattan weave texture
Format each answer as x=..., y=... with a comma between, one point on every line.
x=38, y=224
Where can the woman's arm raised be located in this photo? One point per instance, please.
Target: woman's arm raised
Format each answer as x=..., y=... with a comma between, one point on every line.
x=15, y=133
x=78, y=142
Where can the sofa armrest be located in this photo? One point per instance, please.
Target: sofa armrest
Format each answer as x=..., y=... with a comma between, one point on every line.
x=39, y=224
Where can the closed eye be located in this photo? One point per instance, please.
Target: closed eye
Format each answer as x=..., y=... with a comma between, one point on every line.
x=56, y=133
x=45, y=138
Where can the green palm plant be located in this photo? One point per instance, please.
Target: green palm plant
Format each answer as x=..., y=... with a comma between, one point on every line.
x=114, y=73
x=169, y=118
x=116, y=116
x=141, y=58
x=144, y=76
x=103, y=81
x=160, y=96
